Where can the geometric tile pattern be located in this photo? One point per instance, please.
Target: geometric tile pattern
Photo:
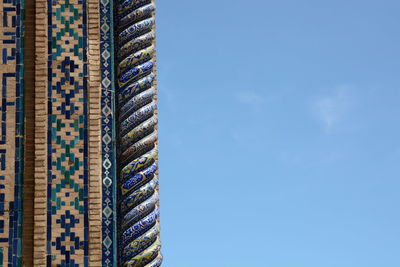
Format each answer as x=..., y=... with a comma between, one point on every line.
x=11, y=132
x=108, y=135
x=139, y=235
x=67, y=194
x=75, y=163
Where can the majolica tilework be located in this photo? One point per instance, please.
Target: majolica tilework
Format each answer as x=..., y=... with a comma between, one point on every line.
x=107, y=127
x=68, y=136
x=67, y=207
x=11, y=132
x=139, y=234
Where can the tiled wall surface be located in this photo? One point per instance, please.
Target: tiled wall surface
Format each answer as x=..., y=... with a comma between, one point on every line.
x=74, y=99
x=69, y=211
x=11, y=132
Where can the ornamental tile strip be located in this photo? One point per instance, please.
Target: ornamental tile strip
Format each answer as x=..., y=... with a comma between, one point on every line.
x=29, y=134
x=11, y=132
x=40, y=176
x=68, y=143
x=109, y=252
x=95, y=197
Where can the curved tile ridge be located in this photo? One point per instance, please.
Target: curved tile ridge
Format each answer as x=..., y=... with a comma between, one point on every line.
x=139, y=232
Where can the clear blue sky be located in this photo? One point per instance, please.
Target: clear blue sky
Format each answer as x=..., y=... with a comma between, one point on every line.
x=279, y=133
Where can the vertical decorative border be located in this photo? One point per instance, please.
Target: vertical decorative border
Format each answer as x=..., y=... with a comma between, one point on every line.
x=95, y=156
x=41, y=77
x=96, y=225
x=16, y=218
x=29, y=133
x=68, y=137
x=108, y=134
x=12, y=128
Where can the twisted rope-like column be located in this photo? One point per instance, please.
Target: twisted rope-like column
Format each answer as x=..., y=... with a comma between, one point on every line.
x=139, y=240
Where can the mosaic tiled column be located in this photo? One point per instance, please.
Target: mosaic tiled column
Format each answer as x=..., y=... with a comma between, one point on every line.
x=137, y=127
x=11, y=132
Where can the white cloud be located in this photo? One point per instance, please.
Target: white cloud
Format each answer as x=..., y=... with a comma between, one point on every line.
x=249, y=97
x=333, y=108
